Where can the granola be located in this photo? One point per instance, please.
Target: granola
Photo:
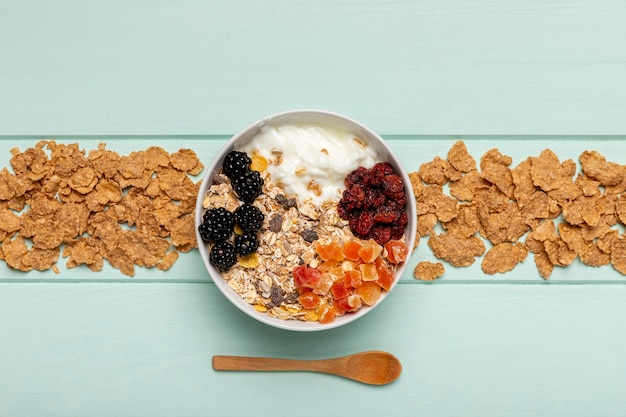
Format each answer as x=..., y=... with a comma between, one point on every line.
x=313, y=258
x=287, y=239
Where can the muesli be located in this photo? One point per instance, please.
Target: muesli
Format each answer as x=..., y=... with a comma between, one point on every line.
x=308, y=263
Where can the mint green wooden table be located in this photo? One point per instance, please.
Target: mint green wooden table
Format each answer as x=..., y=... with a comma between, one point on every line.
x=519, y=75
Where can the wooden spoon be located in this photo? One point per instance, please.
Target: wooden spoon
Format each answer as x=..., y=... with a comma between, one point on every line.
x=371, y=367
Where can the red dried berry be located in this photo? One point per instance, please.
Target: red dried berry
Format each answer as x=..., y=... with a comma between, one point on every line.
x=385, y=214
x=399, y=199
x=381, y=233
x=397, y=232
x=392, y=184
x=357, y=193
x=363, y=224
x=403, y=219
x=374, y=203
x=349, y=202
x=358, y=176
x=374, y=198
x=345, y=211
x=383, y=167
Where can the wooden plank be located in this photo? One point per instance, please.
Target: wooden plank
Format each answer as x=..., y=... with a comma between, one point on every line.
x=495, y=350
x=195, y=67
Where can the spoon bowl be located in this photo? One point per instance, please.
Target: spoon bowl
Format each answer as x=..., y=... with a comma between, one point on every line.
x=372, y=367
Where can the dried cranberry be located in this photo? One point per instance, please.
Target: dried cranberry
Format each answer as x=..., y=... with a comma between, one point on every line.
x=392, y=184
x=358, y=176
x=349, y=201
x=397, y=232
x=398, y=198
x=384, y=167
x=374, y=203
x=345, y=212
x=352, y=224
x=363, y=224
x=385, y=214
x=403, y=220
x=374, y=198
x=357, y=193
x=378, y=173
x=381, y=233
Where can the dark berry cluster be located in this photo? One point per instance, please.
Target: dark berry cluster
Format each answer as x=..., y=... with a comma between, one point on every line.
x=246, y=183
x=219, y=224
x=374, y=203
x=223, y=254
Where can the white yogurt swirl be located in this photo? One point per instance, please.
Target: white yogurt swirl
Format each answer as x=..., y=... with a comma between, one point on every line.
x=309, y=161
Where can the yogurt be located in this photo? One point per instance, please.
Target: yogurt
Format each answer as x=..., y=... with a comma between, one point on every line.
x=310, y=162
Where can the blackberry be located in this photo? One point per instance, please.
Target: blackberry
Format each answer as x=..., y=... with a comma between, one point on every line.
x=249, y=217
x=247, y=186
x=246, y=243
x=223, y=256
x=217, y=225
x=235, y=164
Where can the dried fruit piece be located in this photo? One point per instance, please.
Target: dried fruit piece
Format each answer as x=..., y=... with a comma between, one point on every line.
x=326, y=314
x=368, y=272
x=306, y=276
x=309, y=300
x=353, y=278
x=369, y=251
x=385, y=274
x=369, y=292
x=332, y=251
x=397, y=251
x=351, y=250
x=374, y=203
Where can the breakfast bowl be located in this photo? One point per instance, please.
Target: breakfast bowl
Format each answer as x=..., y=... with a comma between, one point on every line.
x=305, y=220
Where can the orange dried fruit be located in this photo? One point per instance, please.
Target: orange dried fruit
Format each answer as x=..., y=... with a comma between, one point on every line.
x=397, y=251
x=349, y=304
x=369, y=292
x=369, y=251
x=351, y=250
x=309, y=300
x=336, y=273
x=306, y=277
x=353, y=278
x=385, y=274
x=339, y=290
x=368, y=272
x=259, y=163
x=331, y=251
x=328, y=265
x=324, y=284
x=326, y=314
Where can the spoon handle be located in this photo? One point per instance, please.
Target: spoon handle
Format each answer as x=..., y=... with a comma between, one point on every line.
x=247, y=363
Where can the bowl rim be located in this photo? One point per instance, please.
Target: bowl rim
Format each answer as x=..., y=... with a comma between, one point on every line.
x=249, y=132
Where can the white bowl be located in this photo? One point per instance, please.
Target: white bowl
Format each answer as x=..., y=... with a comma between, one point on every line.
x=303, y=117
